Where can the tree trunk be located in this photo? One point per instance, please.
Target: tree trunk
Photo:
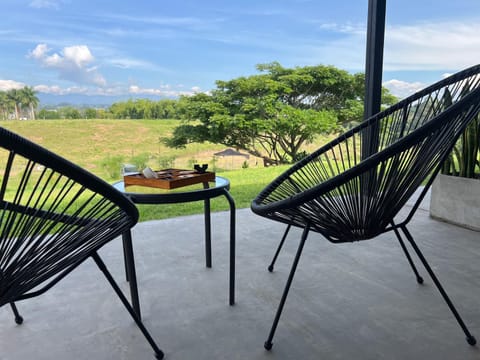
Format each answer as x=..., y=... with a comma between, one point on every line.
x=268, y=161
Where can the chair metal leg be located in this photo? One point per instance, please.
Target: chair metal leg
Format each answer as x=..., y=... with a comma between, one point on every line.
x=129, y=260
x=18, y=317
x=231, y=203
x=127, y=236
x=268, y=344
x=470, y=338
x=409, y=258
x=272, y=264
x=158, y=353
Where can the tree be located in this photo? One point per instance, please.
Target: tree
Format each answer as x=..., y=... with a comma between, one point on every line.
x=90, y=113
x=69, y=112
x=271, y=114
x=46, y=114
x=27, y=96
x=6, y=105
x=318, y=87
x=144, y=109
x=13, y=96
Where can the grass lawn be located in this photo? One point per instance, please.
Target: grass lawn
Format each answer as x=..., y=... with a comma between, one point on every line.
x=98, y=145
x=245, y=184
x=101, y=146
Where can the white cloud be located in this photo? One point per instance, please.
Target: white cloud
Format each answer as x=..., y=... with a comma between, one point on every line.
x=79, y=55
x=346, y=28
x=49, y=89
x=161, y=91
x=131, y=63
x=163, y=20
x=402, y=89
x=72, y=63
x=6, y=85
x=164, y=90
x=46, y=4
x=39, y=52
x=80, y=90
x=432, y=46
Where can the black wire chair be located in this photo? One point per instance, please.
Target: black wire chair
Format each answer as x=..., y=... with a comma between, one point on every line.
x=353, y=188
x=53, y=216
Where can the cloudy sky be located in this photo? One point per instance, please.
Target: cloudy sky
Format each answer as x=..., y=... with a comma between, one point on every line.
x=105, y=50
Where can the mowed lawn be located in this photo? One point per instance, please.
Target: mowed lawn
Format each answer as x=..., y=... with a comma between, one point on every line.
x=100, y=146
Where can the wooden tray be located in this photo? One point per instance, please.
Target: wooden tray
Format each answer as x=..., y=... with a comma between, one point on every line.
x=170, y=178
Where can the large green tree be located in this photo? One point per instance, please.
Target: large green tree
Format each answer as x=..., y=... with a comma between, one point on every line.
x=274, y=113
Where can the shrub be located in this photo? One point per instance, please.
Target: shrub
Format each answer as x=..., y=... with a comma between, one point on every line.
x=140, y=160
x=112, y=165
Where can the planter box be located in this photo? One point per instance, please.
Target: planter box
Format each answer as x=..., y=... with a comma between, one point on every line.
x=456, y=200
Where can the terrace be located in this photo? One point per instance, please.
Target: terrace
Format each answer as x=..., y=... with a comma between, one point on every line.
x=347, y=301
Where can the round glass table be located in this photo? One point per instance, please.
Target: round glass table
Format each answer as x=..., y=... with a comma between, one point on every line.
x=198, y=192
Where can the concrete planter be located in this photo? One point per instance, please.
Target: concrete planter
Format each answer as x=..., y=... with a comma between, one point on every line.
x=456, y=200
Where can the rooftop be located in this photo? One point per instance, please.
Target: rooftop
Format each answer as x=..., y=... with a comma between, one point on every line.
x=349, y=301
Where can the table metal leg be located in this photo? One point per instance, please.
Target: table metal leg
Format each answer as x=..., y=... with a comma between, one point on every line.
x=130, y=270
x=232, y=247
x=208, y=231
x=208, y=235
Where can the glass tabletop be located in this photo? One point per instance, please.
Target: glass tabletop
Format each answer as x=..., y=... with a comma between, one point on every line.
x=151, y=195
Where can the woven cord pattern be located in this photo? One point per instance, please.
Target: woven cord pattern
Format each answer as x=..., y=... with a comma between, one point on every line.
x=53, y=216
x=347, y=196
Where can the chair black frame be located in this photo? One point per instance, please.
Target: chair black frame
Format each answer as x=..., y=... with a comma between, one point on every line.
x=54, y=215
x=349, y=197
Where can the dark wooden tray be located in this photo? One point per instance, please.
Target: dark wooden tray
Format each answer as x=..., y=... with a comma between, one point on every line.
x=170, y=178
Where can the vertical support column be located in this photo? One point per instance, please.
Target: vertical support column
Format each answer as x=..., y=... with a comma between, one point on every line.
x=373, y=70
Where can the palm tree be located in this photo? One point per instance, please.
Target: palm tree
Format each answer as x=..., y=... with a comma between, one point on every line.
x=13, y=96
x=5, y=105
x=29, y=98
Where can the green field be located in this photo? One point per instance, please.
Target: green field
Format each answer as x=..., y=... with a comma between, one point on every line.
x=101, y=146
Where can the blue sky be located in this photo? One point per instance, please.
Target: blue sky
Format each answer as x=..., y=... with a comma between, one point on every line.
x=101, y=51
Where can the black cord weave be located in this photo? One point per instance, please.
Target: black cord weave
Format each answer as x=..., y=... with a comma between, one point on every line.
x=53, y=215
x=347, y=196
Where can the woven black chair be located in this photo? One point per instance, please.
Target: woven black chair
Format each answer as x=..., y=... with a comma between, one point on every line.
x=353, y=188
x=53, y=216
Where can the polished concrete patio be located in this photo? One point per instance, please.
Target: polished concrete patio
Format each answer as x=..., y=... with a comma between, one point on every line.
x=349, y=301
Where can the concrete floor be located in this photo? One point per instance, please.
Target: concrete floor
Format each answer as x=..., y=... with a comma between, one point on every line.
x=349, y=301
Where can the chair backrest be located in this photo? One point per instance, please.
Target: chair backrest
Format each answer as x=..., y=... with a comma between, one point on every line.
x=347, y=192
x=53, y=215
x=418, y=134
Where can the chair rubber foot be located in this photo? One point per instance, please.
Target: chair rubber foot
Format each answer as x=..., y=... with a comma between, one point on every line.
x=270, y=268
x=268, y=345
x=420, y=280
x=159, y=355
x=471, y=340
x=18, y=320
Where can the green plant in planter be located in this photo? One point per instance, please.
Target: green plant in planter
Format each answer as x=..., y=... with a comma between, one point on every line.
x=464, y=160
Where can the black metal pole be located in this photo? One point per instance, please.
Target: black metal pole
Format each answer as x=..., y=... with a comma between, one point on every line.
x=373, y=70
x=374, y=56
